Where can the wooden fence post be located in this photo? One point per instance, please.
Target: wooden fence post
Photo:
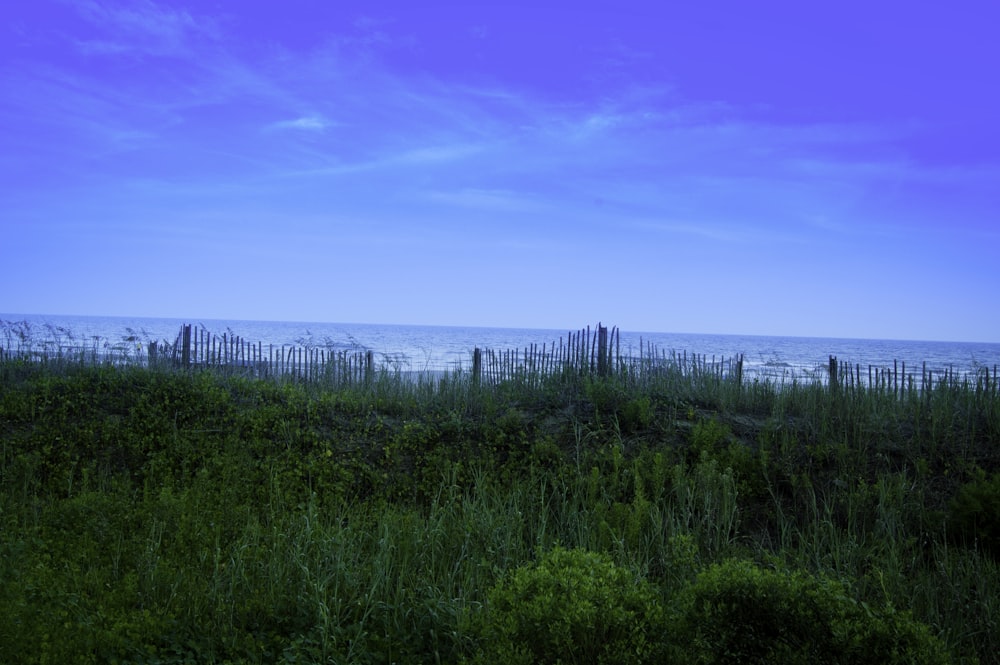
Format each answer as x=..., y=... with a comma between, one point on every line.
x=602, y=350
x=186, y=345
x=617, y=334
x=477, y=365
x=834, y=384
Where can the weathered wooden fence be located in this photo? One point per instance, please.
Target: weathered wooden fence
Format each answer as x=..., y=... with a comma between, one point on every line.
x=590, y=351
x=595, y=352
x=198, y=348
x=843, y=376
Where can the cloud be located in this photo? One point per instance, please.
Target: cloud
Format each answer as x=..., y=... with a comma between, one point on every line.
x=384, y=161
x=497, y=200
x=645, y=152
x=312, y=123
x=142, y=26
x=716, y=232
x=101, y=47
x=435, y=154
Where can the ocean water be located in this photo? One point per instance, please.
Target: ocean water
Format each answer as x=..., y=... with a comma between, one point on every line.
x=435, y=348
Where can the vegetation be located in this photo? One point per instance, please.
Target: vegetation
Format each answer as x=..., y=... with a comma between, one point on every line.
x=572, y=606
x=737, y=612
x=161, y=516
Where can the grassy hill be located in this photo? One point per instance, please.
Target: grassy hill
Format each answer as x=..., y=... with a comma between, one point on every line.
x=160, y=516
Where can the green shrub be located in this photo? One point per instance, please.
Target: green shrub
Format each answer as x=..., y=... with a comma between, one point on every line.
x=974, y=513
x=605, y=395
x=572, y=606
x=709, y=435
x=736, y=612
x=637, y=415
x=711, y=439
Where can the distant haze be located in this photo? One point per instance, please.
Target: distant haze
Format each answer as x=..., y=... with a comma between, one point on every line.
x=778, y=168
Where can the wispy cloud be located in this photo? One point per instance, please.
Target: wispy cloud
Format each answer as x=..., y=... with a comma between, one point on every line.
x=387, y=161
x=495, y=200
x=142, y=25
x=435, y=154
x=644, y=152
x=735, y=234
x=311, y=123
x=91, y=118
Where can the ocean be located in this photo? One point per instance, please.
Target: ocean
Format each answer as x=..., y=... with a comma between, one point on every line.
x=442, y=348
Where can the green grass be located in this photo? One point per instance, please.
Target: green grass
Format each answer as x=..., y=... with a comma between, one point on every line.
x=148, y=515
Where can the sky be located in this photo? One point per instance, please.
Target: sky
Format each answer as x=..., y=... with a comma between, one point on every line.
x=767, y=168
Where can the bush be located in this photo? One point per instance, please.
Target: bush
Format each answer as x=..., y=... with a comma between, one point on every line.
x=736, y=612
x=974, y=513
x=637, y=415
x=572, y=606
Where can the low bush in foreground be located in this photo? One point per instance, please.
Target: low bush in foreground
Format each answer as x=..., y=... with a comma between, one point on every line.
x=572, y=606
x=974, y=513
x=737, y=612
x=576, y=606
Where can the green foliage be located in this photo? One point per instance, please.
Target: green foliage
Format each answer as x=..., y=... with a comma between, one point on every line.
x=974, y=513
x=170, y=516
x=712, y=439
x=604, y=394
x=610, y=398
x=709, y=436
x=572, y=606
x=737, y=612
x=637, y=414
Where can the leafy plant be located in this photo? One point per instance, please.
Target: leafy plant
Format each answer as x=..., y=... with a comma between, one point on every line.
x=974, y=513
x=737, y=612
x=637, y=414
x=572, y=606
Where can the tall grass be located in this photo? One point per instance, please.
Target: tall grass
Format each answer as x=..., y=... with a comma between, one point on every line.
x=173, y=516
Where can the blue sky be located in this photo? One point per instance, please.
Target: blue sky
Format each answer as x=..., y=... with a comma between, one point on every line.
x=777, y=168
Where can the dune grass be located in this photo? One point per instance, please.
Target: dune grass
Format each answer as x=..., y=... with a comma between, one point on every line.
x=153, y=515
